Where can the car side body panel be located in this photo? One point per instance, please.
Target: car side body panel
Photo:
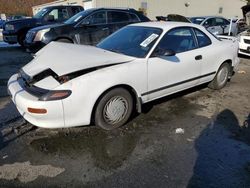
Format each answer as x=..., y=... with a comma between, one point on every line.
x=78, y=110
x=143, y=75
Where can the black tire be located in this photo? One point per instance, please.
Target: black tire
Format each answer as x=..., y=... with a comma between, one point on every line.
x=64, y=40
x=221, y=78
x=21, y=38
x=117, y=102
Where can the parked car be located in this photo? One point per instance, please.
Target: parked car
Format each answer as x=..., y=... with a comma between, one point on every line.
x=87, y=27
x=173, y=17
x=216, y=25
x=15, y=31
x=244, y=43
x=70, y=85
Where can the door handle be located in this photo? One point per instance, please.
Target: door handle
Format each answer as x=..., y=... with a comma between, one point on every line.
x=198, y=57
x=106, y=28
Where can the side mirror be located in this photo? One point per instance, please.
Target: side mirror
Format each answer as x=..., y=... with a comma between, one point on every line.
x=206, y=25
x=160, y=52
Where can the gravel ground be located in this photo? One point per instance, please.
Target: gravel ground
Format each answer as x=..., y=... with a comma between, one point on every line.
x=198, y=138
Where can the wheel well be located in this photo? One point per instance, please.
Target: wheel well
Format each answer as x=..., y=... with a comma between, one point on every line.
x=229, y=61
x=22, y=32
x=136, y=99
x=65, y=38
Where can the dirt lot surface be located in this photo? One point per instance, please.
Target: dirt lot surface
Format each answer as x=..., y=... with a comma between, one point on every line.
x=193, y=139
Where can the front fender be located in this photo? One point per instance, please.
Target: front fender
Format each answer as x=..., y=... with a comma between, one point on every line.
x=87, y=89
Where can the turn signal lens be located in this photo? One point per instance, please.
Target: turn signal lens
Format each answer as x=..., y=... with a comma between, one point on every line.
x=37, y=110
x=56, y=95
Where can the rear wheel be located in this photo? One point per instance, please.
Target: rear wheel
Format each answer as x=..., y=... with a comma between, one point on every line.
x=113, y=109
x=221, y=78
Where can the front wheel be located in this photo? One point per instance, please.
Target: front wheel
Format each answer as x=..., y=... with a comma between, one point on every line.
x=221, y=78
x=21, y=38
x=114, y=109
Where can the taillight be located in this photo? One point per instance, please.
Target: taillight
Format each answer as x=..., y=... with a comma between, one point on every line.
x=55, y=95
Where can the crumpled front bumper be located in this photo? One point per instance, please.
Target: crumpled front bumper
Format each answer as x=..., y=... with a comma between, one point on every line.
x=53, y=118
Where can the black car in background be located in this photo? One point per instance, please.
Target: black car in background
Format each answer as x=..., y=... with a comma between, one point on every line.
x=14, y=31
x=87, y=27
x=173, y=18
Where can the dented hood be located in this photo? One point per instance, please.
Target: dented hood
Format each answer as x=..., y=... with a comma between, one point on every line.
x=63, y=58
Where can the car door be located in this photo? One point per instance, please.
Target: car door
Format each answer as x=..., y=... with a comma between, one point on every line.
x=56, y=15
x=210, y=25
x=169, y=74
x=224, y=27
x=92, y=29
x=209, y=56
x=227, y=26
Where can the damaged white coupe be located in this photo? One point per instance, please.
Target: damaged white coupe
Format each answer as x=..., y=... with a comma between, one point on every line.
x=68, y=85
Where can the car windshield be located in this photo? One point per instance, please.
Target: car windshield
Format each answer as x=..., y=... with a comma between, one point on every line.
x=135, y=41
x=197, y=20
x=78, y=17
x=41, y=13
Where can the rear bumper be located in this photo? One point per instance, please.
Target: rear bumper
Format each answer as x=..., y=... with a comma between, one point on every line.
x=54, y=118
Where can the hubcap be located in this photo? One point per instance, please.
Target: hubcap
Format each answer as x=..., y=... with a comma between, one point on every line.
x=115, y=110
x=222, y=76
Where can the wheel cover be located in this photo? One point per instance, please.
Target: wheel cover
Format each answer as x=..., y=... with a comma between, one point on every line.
x=222, y=76
x=115, y=110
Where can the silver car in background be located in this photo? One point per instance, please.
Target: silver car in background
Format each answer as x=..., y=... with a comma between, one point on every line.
x=216, y=25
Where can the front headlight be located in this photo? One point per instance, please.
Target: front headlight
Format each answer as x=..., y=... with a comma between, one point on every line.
x=40, y=34
x=9, y=27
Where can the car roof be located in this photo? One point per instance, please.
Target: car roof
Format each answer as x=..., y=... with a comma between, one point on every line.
x=55, y=6
x=105, y=8
x=207, y=17
x=167, y=25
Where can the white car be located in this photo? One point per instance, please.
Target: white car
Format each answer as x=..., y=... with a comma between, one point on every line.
x=244, y=43
x=70, y=85
x=217, y=25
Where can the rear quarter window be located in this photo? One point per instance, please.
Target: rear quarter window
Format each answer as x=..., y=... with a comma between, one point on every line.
x=118, y=17
x=202, y=38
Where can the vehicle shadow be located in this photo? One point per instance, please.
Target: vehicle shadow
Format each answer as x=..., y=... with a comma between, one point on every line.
x=108, y=149
x=223, y=150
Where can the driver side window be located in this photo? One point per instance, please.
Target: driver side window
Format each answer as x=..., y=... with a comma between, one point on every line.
x=57, y=15
x=96, y=19
x=178, y=40
x=210, y=22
